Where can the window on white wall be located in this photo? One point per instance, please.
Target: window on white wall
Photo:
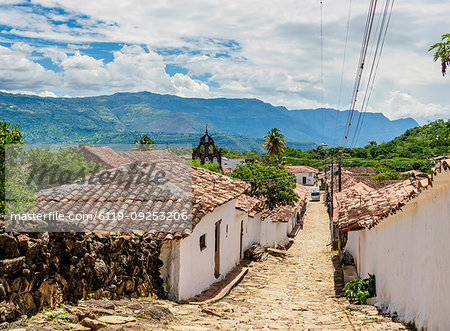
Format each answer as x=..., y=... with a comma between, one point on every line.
x=203, y=241
x=227, y=231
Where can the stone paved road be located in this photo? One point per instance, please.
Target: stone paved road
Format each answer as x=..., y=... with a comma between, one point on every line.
x=296, y=292
x=291, y=292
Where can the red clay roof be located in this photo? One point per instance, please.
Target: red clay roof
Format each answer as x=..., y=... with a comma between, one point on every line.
x=97, y=197
x=359, y=206
x=249, y=205
x=111, y=159
x=283, y=213
x=301, y=170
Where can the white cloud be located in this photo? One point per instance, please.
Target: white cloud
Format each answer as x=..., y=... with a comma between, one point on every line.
x=41, y=94
x=132, y=69
x=401, y=105
x=272, y=51
x=17, y=72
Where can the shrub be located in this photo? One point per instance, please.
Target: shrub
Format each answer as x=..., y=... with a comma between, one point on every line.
x=359, y=290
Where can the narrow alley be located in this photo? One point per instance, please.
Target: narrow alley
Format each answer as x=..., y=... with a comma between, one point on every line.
x=294, y=292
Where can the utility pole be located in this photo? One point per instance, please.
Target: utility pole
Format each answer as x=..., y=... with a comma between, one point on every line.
x=332, y=188
x=340, y=171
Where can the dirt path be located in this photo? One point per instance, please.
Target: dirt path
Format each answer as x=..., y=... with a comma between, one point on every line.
x=296, y=292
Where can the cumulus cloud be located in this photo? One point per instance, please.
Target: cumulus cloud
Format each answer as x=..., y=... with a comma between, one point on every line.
x=245, y=49
x=132, y=69
x=17, y=72
x=401, y=105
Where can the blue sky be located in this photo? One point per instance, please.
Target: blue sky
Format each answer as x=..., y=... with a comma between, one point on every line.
x=214, y=49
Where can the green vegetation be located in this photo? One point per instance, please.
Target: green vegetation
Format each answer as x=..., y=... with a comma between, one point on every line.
x=359, y=290
x=412, y=150
x=122, y=117
x=274, y=142
x=442, y=52
x=9, y=135
x=56, y=167
x=272, y=183
x=231, y=154
x=145, y=143
x=209, y=166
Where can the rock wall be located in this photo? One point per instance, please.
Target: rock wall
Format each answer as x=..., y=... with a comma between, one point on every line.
x=43, y=270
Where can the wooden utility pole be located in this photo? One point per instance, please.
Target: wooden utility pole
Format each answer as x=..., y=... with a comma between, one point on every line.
x=340, y=172
x=332, y=187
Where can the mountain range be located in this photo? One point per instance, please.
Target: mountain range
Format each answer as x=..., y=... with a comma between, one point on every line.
x=235, y=123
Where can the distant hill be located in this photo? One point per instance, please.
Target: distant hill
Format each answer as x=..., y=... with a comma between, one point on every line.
x=432, y=139
x=237, y=123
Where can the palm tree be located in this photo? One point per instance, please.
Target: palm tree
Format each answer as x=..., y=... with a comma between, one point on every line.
x=442, y=52
x=145, y=143
x=274, y=142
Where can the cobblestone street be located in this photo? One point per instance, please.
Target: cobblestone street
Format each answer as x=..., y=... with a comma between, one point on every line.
x=295, y=292
x=298, y=290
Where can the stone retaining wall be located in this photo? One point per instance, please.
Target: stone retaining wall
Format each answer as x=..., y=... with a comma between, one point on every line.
x=43, y=270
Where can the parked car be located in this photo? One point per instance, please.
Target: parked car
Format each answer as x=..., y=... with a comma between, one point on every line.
x=315, y=193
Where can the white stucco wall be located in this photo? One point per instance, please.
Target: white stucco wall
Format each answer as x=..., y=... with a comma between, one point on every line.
x=409, y=253
x=252, y=229
x=273, y=232
x=232, y=163
x=196, y=266
x=310, y=178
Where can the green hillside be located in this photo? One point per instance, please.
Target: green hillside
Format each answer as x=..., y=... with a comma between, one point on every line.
x=110, y=119
x=411, y=150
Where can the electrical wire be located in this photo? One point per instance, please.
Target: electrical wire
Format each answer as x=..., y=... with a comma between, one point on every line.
x=374, y=69
x=361, y=62
x=343, y=65
x=321, y=64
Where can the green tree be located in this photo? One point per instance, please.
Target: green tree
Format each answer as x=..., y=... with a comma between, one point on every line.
x=274, y=142
x=52, y=168
x=273, y=184
x=9, y=135
x=209, y=166
x=145, y=143
x=442, y=52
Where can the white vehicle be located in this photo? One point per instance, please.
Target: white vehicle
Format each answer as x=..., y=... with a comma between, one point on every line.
x=315, y=193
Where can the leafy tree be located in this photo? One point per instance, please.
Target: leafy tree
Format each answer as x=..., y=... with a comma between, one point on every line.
x=9, y=134
x=145, y=143
x=273, y=184
x=51, y=168
x=209, y=166
x=442, y=52
x=274, y=142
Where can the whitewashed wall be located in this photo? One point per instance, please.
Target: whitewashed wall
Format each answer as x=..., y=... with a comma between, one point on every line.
x=273, y=232
x=253, y=231
x=310, y=178
x=196, y=266
x=409, y=253
x=232, y=163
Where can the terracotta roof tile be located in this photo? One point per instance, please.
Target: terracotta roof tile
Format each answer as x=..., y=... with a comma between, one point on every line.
x=96, y=196
x=284, y=213
x=359, y=206
x=302, y=170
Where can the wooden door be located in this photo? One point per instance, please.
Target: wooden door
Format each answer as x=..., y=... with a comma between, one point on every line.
x=241, y=243
x=217, y=250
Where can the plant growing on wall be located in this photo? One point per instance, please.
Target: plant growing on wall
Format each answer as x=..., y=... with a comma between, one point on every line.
x=359, y=290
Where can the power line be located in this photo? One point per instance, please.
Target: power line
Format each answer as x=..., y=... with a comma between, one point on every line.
x=374, y=69
x=361, y=62
x=343, y=63
x=321, y=63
